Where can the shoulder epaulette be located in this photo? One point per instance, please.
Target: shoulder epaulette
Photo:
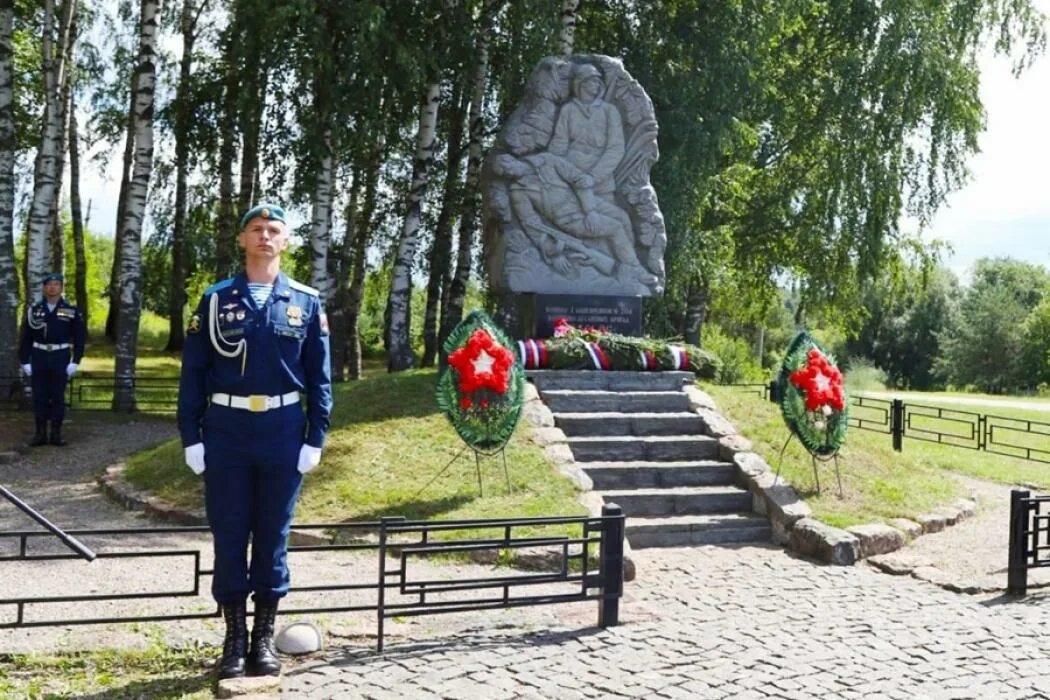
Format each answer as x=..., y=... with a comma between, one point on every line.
x=218, y=286
x=299, y=286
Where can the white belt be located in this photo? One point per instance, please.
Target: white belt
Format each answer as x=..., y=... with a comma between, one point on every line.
x=51, y=347
x=256, y=403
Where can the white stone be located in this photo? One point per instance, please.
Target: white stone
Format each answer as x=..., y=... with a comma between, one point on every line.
x=299, y=638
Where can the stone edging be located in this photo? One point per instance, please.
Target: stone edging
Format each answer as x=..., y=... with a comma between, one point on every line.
x=116, y=487
x=792, y=520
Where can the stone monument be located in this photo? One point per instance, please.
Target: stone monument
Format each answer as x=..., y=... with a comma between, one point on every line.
x=569, y=210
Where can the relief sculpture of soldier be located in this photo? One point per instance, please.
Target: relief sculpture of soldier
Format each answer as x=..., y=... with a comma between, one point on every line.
x=567, y=194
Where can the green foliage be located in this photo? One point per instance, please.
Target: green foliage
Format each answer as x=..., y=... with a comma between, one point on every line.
x=985, y=344
x=736, y=361
x=863, y=375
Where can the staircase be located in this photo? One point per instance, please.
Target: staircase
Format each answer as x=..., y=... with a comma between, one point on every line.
x=637, y=438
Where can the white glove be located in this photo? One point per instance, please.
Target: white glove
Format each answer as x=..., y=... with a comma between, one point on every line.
x=309, y=457
x=27, y=370
x=71, y=369
x=195, y=458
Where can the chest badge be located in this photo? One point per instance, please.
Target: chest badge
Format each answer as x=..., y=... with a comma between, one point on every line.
x=295, y=315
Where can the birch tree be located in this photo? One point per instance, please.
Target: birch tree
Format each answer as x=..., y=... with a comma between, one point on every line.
x=457, y=292
x=398, y=331
x=8, y=273
x=131, y=237
x=52, y=143
x=79, y=256
x=570, y=10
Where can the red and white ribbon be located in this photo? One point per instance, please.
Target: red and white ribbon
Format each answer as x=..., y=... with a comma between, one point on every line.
x=598, y=356
x=680, y=359
x=533, y=353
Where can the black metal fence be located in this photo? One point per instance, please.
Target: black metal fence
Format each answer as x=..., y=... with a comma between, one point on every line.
x=87, y=390
x=1003, y=435
x=1029, y=539
x=589, y=568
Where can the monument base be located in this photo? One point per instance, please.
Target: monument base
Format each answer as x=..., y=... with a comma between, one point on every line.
x=534, y=315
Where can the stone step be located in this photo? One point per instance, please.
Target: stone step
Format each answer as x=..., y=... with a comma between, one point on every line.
x=683, y=530
x=647, y=475
x=643, y=424
x=657, y=448
x=682, y=500
x=593, y=380
x=577, y=401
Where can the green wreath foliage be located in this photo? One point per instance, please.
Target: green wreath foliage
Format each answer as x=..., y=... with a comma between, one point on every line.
x=822, y=434
x=569, y=351
x=484, y=419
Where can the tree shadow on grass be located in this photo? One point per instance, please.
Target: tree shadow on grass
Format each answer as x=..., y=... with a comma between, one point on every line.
x=419, y=508
x=156, y=688
x=400, y=395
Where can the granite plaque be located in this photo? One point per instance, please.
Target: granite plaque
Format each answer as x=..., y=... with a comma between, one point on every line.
x=619, y=314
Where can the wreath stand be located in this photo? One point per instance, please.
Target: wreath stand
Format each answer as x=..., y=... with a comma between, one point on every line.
x=814, y=459
x=502, y=451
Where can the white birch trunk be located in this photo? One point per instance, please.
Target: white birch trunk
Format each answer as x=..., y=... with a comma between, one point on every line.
x=454, y=300
x=399, y=332
x=321, y=221
x=8, y=274
x=567, y=35
x=131, y=237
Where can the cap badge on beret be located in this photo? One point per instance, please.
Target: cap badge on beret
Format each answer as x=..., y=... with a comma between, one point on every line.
x=265, y=213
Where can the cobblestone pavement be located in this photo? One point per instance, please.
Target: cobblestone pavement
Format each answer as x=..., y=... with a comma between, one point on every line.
x=711, y=622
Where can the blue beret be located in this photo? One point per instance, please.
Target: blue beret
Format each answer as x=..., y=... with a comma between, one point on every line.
x=274, y=212
x=54, y=277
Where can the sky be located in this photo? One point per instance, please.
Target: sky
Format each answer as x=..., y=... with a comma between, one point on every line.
x=1003, y=211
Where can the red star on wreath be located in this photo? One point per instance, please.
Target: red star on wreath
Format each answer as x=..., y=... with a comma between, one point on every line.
x=820, y=381
x=482, y=364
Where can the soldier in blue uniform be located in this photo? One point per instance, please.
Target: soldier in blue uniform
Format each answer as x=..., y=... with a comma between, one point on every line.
x=51, y=330
x=255, y=342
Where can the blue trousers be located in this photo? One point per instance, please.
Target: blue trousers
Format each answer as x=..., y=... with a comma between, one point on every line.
x=49, y=384
x=251, y=485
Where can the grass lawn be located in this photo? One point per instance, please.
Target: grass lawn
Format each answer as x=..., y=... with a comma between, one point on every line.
x=879, y=483
x=388, y=440
x=156, y=672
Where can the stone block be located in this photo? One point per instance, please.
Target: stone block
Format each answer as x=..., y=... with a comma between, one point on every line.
x=715, y=424
x=781, y=533
x=559, y=454
x=698, y=398
x=531, y=393
x=950, y=513
x=731, y=445
x=967, y=508
x=248, y=686
x=537, y=415
x=750, y=464
x=548, y=436
x=783, y=504
x=910, y=528
x=829, y=544
x=932, y=522
x=573, y=472
x=876, y=538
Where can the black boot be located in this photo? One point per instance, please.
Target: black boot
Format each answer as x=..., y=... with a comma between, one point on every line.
x=262, y=659
x=56, y=434
x=235, y=645
x=40, y=436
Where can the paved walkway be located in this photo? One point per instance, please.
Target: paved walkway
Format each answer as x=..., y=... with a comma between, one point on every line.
x=711, y=622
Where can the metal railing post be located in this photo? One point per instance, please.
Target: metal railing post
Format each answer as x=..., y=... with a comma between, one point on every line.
x=1017, y=559
x=610, y=561
x=897, y=424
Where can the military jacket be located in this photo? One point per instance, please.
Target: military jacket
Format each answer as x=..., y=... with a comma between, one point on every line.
x=235, y=347
x=64, y=325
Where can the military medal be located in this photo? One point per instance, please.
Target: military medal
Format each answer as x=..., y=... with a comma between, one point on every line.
x=295, y=315
x=230, y=316
x=240, y=315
